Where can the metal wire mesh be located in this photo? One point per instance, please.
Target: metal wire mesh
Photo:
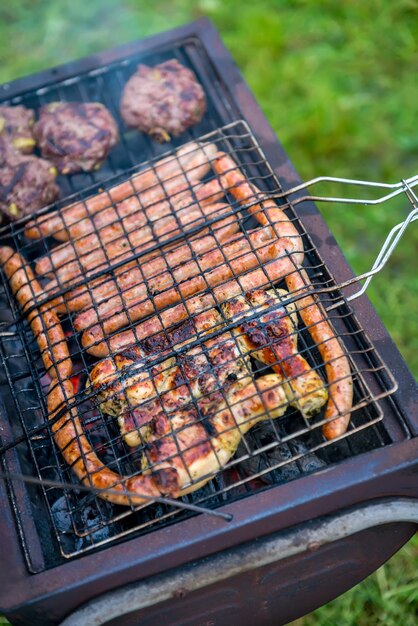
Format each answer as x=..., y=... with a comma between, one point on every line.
x=178, y=382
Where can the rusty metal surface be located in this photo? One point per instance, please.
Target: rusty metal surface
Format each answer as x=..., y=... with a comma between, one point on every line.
x=388, y=472
x=58, y=591
x=276, y=594
x=308, y=538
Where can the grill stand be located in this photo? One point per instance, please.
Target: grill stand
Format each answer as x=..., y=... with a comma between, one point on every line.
x=132, y=599
x=46, y=597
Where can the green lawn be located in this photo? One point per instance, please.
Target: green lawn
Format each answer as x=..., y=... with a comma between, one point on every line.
x=338, y=82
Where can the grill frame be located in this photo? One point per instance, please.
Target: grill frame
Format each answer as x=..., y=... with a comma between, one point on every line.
x=86, y=518
x=279, y=507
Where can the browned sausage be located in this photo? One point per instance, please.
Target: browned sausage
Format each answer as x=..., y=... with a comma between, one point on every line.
x=71, y=250
x=83, y=460
x=131, y=214
x=273, y=270
x=213, y=268
x=191, y=160
x=44, y=322
x=337, y=366
x=95, y=225
x=266, y=211
x=157, y=274
x=123, y=247
x=105, y=287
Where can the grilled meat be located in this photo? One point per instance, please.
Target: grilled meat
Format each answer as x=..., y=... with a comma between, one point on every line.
x=272, y=339
x=189, y=164
x=16, y=126
x=337, y=366
x=27, y=183
x=76, y=136
x=216, y=268
x=133, y=389
x=199, y=441
x=189, y=412
x=182, y=453
x=192, y=430
x=114, y=223
x=163, y=100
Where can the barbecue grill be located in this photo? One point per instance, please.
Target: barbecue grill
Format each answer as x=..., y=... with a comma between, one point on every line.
x=292, y=514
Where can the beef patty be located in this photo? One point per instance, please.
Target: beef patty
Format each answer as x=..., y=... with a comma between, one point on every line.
x=27, y=182
x=163, y=100
x=16, y=125
x=76, y=136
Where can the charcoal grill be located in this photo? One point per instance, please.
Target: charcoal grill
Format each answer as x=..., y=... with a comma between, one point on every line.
x=297, y=502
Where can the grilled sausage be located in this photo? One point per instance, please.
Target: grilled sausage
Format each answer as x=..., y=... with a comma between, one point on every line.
x=276, y=264
x=337, y=366
x=106, y=287
x=212, y=269
x=122, y=248
x=72, y=250
x=44, y=322
x=156, y=275
x=192, y=160
x=83, y=460
x=132, y=214
x=266, y=211
x=162, y=273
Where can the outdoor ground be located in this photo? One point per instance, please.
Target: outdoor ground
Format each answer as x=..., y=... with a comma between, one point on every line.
x=338, y=82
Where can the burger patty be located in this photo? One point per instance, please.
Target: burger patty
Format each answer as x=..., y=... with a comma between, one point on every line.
x=163, y=100
x=16, y=126
x=27, y=182
x=76, y=136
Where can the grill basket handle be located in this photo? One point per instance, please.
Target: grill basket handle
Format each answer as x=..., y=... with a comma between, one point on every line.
x=405, y=186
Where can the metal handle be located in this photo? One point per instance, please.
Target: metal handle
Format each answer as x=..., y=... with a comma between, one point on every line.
x=405, y=186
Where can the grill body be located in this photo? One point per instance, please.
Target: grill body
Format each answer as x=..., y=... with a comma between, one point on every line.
x=36, y=593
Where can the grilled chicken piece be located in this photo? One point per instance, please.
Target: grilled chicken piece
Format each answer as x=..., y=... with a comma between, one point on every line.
x=188, y=418
x=272, y=339
x=188, y=412
x=199, y=441
x=128, y=377
x=201, y=377
x=133, y=389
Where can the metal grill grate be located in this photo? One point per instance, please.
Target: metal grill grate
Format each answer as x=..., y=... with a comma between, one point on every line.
x=274, y=450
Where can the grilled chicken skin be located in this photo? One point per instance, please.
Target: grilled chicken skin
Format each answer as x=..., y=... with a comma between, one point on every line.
x=188, y=412
x=199, y=441
x=130, y=387
x=272, y=339
x=188, y=416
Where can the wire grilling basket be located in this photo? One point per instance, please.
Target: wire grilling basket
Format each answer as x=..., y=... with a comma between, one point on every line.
x=160, y=281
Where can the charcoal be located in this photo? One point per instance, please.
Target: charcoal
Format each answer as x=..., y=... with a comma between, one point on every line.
x=277, y=455
x=63, y=522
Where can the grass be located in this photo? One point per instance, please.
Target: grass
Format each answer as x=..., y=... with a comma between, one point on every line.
x=338, y=83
